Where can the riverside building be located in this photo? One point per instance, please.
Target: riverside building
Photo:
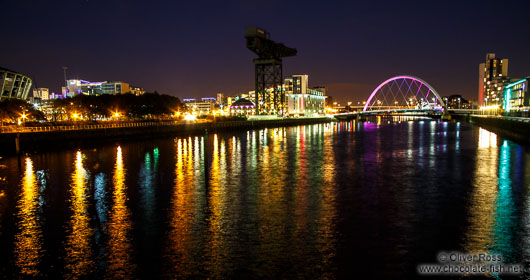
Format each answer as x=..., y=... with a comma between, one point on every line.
x=493, y=76
x=302, y=100
x=75, y=87
x=517, y=98
x=14, y=84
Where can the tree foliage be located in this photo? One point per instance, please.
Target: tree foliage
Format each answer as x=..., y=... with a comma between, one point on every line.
x=129, y=106
x=13, y=109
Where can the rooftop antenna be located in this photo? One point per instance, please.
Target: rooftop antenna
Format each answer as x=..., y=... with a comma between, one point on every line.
x=64, y=70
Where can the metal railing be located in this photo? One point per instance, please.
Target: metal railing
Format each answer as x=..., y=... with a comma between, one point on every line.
x=517, y=119
x=11, y=129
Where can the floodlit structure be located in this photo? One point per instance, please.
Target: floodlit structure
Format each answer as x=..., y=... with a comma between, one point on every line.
x=198, y=108
x=94, y=88
x=14, y=84
x=242, y=107
x=404, y=92
x=302, y=100
x=516, y=97
x=492, y=77
x=136, y=90
x=41, y=93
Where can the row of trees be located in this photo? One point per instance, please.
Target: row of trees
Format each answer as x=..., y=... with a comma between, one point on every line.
x=126, y=106
x=14, y=110
x=84, y=107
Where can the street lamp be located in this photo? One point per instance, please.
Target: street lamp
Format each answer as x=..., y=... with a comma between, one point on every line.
x=23, y=117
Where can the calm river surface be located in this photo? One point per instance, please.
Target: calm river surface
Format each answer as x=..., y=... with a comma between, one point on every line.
x=318, y=201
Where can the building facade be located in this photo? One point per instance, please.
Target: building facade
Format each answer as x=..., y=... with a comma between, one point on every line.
x=198, y=108
x=302, y=100
x=75, y=87
x=457, y=102
x=517, y=98
x=493, y=76
x=41, y=93
x=209, y=100
x=242, y=107
x=14, y=85
x=220, y=100
x=136, y=90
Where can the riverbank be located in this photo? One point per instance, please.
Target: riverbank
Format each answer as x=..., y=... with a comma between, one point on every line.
x=516, y=129
x=30, y=141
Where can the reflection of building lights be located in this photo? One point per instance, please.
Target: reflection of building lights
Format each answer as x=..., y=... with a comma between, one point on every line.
x=190, y=117
x=486, y=139
x=492, y=107
x=28, y=242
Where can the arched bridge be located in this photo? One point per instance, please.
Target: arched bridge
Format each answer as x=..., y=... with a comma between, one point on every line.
x=402, y=94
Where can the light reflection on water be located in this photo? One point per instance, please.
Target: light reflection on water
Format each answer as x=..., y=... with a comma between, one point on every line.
x=119, y=246
x=483, y=195
x=78, y=246
x=179, y=254
x=28, y=241
x=272, y=203
x=505, y=212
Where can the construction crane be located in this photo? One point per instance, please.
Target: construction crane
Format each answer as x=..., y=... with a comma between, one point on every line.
x=268, y=71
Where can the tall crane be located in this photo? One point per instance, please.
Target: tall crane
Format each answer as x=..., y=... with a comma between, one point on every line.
x=268, y=71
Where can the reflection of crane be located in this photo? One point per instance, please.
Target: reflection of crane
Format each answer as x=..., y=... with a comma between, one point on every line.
x=268, y=70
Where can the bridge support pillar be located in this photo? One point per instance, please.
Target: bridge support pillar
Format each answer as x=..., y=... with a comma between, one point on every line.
x=361, y=117
x=446, y=116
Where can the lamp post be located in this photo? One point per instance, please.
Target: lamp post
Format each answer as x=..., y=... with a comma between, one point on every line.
x=24, y=119
x=64, y=71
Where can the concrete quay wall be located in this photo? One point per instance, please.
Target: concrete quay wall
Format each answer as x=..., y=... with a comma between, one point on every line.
x=17, y=142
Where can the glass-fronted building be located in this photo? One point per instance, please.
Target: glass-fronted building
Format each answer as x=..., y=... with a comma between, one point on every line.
x=94, y=88
x=14, y=85
x=516, y=97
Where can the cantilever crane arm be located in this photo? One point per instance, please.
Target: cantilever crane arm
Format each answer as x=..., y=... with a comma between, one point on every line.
x=258, y=43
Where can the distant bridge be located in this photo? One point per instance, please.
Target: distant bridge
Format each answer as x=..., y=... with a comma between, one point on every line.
x=403, y=95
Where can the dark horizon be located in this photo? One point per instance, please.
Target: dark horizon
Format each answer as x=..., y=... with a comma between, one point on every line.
x=195, y=50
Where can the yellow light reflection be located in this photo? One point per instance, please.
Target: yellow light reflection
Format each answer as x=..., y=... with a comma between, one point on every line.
x=120, y=251
x=79, y=260
x=482, y=207
x=215, y=199
x=327, y=239
x=181, y=213
x=28, y=241
x=272, y=213
x=486, y=139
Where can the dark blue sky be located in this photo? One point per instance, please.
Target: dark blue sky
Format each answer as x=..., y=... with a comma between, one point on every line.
x=197, y=48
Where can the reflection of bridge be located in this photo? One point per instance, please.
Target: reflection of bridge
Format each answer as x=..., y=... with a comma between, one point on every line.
x=405, y=95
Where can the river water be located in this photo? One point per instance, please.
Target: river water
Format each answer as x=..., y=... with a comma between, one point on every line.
x=335, y=200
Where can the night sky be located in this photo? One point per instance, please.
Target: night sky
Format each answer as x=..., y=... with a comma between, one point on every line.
x=197, y=48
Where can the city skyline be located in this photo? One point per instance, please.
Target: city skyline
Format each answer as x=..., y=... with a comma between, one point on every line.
x=194, y=50
x=264, y=140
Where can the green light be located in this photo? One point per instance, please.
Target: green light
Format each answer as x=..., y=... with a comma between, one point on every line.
x=513, y=84
x=507, y=97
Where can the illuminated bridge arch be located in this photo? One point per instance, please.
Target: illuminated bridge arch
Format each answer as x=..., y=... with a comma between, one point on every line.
x=403, y=92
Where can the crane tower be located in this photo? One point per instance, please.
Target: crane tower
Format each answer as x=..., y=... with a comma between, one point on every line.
x=269, y=95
